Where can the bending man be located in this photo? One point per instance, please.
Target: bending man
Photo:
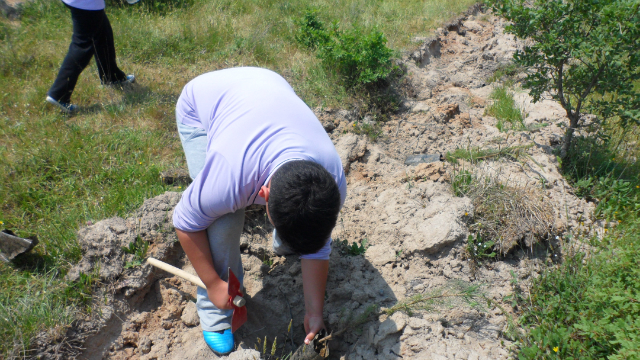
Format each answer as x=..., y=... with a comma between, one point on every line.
x=249, y=139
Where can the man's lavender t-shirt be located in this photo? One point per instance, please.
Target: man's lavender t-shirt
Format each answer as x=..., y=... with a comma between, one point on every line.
x=254, y=122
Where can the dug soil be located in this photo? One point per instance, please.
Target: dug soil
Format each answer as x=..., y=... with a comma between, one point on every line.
x=413, y=228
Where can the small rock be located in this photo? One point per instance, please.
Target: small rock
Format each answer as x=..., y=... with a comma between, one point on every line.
x=140, y=318
x=420, y=106
x=359, y=296
x=371, y=334
x=167, y=324
x=130, y=338
x=380, y=255
x=144, y=345
x=417, y=323
x=190, y=315
x=350, y=148
x=392, y=325
x=244, y=354
x=422, y=158
x=244, y=242
x=295, y=269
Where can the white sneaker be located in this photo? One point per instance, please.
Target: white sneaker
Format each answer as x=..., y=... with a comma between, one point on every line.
x=65, y=107
x=130, y=79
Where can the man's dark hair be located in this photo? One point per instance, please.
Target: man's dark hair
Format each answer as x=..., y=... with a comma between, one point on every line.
x=304, y=202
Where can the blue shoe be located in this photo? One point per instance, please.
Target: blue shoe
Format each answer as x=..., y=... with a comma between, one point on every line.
x=65, y=107
x=220, y=342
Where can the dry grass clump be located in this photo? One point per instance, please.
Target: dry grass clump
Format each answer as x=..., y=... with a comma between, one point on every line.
x=505, y=214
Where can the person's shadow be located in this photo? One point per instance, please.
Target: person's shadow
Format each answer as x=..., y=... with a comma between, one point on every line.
x=127, y=96
x=275, y=299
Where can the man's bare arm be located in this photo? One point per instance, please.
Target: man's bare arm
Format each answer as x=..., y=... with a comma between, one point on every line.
x=314, y=283
x=196, y=246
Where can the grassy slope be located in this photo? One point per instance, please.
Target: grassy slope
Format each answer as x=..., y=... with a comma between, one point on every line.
x=589, y=307
x=57, y=173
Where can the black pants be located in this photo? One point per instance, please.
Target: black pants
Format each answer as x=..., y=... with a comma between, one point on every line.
x=92, y=36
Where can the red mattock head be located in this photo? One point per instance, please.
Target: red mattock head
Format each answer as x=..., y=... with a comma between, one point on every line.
x=239, y=316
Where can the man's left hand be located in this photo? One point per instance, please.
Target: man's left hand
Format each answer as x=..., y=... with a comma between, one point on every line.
x=312, y=325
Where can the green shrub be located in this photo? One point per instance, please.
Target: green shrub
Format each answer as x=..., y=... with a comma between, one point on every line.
x=311, y=31
x=617, y=199
x=359, y=56
x=598, y=174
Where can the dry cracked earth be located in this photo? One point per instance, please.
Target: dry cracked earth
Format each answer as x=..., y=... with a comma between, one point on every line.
x=415, y=231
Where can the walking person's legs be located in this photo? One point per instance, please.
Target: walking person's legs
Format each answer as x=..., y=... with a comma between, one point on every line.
x=105, y=53
x=78, y=57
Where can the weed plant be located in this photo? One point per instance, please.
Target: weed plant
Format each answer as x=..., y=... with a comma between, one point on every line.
x=505, y=110
x=138, y=249
x=480, y=249
x=59, y=173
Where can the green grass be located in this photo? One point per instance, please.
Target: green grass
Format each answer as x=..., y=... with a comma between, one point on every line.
x=57, y=172
x=504, y=108
x=476, y=154
x=508, y=71
x=589, y=307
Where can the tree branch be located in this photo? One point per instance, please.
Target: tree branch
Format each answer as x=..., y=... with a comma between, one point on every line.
x=586, y=91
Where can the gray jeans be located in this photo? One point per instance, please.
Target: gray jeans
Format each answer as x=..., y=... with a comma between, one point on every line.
x=224, y=234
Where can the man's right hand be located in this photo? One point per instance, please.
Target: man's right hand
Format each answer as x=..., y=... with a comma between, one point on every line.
x=196, y=246
x=219, y=295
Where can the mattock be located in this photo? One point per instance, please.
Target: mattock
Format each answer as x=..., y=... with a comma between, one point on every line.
x=239, y=316
x=236, y=300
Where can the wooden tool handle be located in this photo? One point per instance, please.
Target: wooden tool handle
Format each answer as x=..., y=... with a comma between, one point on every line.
x=175, y=271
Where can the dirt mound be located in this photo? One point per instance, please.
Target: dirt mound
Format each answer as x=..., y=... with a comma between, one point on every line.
x=412, y=226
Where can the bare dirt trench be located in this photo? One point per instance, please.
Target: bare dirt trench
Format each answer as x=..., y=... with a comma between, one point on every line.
x=416, y=230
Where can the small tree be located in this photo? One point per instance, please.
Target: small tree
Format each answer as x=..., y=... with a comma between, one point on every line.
x=578, y=48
